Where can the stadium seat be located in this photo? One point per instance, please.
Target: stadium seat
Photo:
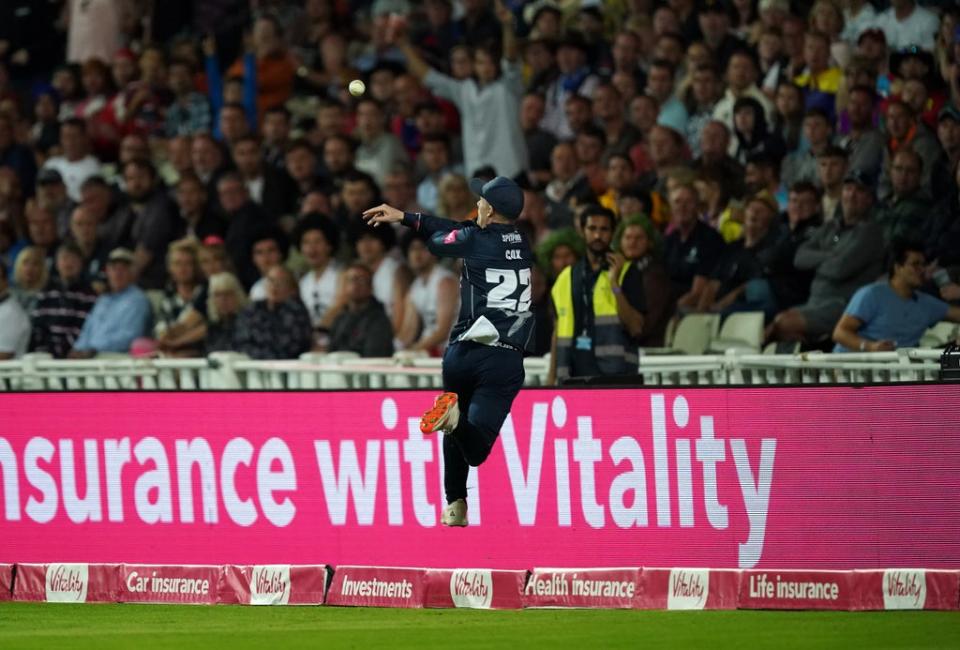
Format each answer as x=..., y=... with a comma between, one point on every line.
x=694, y=333
x=742, y=331
x=940, y=334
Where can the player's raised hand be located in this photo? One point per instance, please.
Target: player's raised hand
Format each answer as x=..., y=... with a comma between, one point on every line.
x=383, y=213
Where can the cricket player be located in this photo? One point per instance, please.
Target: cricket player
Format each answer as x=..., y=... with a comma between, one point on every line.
x=483, y=364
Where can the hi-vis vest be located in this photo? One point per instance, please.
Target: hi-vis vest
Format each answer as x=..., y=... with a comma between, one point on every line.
x=614, y=351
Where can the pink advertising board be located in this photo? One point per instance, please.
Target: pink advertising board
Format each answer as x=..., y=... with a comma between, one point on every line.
x=812, y=478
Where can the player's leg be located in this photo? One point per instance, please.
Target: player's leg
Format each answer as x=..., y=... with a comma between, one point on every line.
x=498, y=375
x=456, y=379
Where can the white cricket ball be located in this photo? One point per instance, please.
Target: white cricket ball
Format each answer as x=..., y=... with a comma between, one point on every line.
x=356, y=87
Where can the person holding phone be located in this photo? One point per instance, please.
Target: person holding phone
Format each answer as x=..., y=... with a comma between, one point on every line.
x=599, y=305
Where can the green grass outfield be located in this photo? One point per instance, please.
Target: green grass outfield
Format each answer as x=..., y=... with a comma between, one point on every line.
x=40, y=625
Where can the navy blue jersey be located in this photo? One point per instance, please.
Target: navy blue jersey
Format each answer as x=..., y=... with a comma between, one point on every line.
x=495, y=284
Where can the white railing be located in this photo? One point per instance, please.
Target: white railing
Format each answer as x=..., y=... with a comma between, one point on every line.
x=230, y=371
x=339, y=371
x=737, y=368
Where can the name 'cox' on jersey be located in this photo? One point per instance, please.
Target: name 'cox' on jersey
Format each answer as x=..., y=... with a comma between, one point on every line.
x=495, y=284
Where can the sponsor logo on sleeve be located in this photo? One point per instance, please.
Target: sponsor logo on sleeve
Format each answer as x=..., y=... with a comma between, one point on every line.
x=904, y=589
x=67, y=583
x=451, y=237
x=688, y=588
x=473, y=589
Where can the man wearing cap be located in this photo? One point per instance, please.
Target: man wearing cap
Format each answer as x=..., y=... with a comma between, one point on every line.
x=600, y=306
x=728, y=289
x=483, y=364
x=119, y=316
x=844, y=255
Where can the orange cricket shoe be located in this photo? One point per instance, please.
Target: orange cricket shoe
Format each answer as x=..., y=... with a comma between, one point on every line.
x=444, y=415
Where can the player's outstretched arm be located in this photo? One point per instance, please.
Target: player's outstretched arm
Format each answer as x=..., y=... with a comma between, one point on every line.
x=424, y=223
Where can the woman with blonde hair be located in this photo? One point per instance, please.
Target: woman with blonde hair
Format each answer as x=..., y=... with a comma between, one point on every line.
x=30, y=276
x=454, y=199
x=227, y=299
x=183, y=289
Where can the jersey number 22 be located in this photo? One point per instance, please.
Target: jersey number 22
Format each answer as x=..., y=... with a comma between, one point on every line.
x=507, y=281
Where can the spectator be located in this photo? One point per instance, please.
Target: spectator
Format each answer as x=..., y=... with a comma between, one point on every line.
x=119, y=316
x=276, y=135
x=75, y=163
x=579, y=112
x=455, y=200
x=903, y=130
x=209, y=162
x=831, y=170
x=197, y=220
x=83, y=234
x=277, y=327
x=275, y=69
x=321, y=288
x=619, y=178
x=379, y=151
x=488, y=104
x=63, y=307
x=600, y=339
x=741, y=82
x=179, y=296
x=399, y=189
x=700, y=99
x=14, y=322
x=357, y=193
x=269, y=188
x=269, y=249
x=189, y=113
x=568, y=188
x=728, y=289
x=819, y=79
x=435, y=160
x=892, y=313
x=784, y=285
x=660, y=86
x=560, y=249
x=864, y=142
x=225, y=302
x=574, y=78
x=844, y=254
x=540, y=142
x=691, y=250
x=636, y=239
x=432, y=301
x=245, y=220
x=801, y=165
x=30, y=277
x=716, y=159
x=391, y=279
x=751, y=135
x=152, y=226
x=51, y=196
x=301, y=165
x=714, y=20
x=906, y=213
x=42, y=230
x=362, y=326
x=905, y=24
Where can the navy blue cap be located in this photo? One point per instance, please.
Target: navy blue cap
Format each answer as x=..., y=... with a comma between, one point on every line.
x=503, y=195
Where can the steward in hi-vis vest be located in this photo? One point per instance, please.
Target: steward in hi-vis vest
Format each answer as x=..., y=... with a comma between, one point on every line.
x=599, y=305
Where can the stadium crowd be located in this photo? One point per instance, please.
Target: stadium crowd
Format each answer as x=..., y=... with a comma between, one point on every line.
x=187, y=176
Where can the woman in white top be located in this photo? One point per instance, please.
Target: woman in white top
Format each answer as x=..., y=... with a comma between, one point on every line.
x=320, y=288
x=489, y=103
